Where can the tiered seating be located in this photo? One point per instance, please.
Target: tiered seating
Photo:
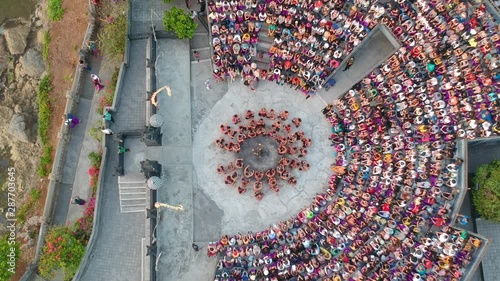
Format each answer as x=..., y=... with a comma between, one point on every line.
x=386, y=212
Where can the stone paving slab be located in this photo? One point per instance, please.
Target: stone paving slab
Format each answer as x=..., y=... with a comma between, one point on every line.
x=131, y=113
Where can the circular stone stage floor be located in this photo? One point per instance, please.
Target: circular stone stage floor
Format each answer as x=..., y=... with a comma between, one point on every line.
x=242, y=213
x=264, y=160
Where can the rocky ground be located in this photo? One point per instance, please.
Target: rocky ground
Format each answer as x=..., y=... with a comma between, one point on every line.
x=21, y=68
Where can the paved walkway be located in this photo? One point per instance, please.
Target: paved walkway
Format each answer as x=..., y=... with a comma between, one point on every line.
x=117, y=251
x=75, y=180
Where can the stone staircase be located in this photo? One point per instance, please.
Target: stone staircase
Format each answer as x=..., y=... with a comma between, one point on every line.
x=263, y=47
x=133, y=194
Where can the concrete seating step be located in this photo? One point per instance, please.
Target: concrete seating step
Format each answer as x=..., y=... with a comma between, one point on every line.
x=265, y=46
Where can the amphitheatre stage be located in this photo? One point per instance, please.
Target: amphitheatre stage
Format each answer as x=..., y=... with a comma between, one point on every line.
x=384, y=179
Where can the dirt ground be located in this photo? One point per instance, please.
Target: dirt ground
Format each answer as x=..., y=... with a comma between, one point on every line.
x=66, y=41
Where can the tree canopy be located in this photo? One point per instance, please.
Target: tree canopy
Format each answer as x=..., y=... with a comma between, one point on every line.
x=487, y=198
x=178, y=21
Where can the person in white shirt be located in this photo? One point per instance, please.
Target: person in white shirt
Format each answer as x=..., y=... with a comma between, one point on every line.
x=107, y=131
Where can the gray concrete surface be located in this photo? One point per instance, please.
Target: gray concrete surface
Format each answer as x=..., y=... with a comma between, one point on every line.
x=371, y=55
x=117, y=251
x=131, y=112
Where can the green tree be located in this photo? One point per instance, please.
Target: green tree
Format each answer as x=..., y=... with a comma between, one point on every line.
x=487, y=198
x=178, y=20
x=6, y=270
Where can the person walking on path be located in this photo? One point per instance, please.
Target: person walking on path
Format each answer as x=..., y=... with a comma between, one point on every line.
x=77, y=200
x=195, y=247
x=208, y=84
x=107, y=131
x=196, y=56
x=108, y=117
x=122, y=149
x=70, y=120
x=193, y=14
x=97, y=82
x=350, y=62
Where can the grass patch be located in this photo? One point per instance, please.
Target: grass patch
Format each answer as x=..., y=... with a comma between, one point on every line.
x=24, y=209
x=44, y=110
x=68, y=78
x=44, y=113
x=10, y=77
x=112, y=38
x=95, y=130
x=45, y=161
x=55, y=10
x=45, y=47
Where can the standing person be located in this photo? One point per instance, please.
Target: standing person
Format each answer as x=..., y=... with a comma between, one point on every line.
x=195, y=247
x=122, y=149
x=85, y=65
x=107, y=131
x=196, y=55
x=77, y=200
x=350, y=62
x=108, y=117
x=208, y=84
x=97, y=82
x=202, y=7
x=193, y=14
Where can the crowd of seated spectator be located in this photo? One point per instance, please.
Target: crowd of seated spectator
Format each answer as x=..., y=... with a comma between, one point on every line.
x=387, y=209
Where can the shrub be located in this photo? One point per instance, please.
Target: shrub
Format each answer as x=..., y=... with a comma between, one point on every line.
x=487, y=198
x=95, y=159
x=83, y=226
x=35, y=194
x=28, y=206
x=46, y=44
x=45, y=161
x=178, y=21
x=95, y=130
x=55, y=10
x=112, y=38
x=104, y=101
x=62, y=250
x=5, y=249
x=44, y=110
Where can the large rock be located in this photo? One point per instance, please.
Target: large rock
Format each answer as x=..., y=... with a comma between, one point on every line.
x=32, y=63
x=17, y=128
x=4, y=56
x=16, y=38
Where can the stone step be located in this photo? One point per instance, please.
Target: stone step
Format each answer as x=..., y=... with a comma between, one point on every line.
x=141, y=208
x=264, y=46
x=264, y=38
x=201, y=60
x=131, y=178
x=133, y=196
x=127, y=185
x=139, y=190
